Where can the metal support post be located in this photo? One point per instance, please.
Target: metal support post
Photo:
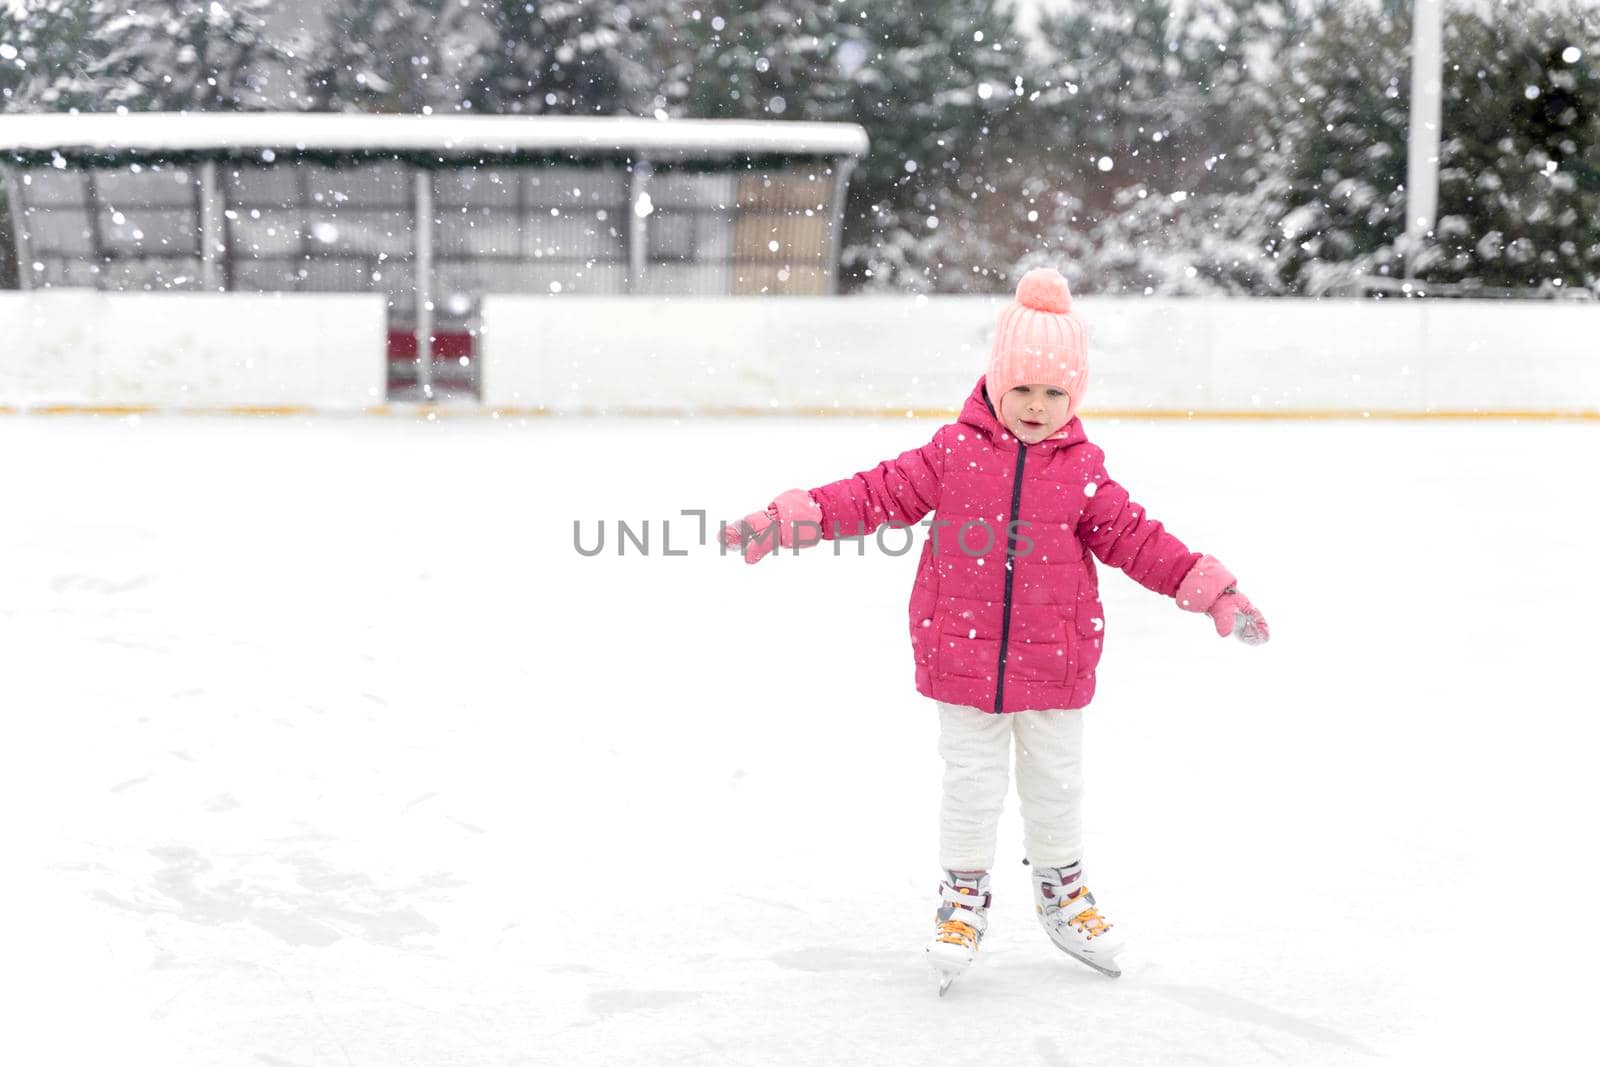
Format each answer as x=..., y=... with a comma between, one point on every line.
x=211, y=244
x=639, y=211
x=423, y=274
x=843, y=167
x=19, y=228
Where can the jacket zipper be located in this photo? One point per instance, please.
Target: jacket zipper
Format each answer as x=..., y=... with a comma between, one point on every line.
x=1011, y=552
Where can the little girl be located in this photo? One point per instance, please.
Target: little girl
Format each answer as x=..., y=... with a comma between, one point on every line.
x=1006, y=623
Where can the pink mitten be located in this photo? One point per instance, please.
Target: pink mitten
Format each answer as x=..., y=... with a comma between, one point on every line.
x=1210, y=587
x=793, y=520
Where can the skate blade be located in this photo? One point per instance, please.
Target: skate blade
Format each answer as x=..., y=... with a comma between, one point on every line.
x=947, y=977
x=1111, y=971
x=948, y=972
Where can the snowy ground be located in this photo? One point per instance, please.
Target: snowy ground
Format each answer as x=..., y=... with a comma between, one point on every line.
x=324, y=746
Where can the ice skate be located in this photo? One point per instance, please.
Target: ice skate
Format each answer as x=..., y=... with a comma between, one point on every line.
x=1068, y=914
x=962, y=918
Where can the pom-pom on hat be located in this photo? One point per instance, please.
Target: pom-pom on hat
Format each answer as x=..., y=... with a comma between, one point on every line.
x=1039, y=341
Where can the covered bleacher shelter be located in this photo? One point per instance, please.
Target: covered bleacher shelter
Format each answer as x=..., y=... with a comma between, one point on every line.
x=292, y=202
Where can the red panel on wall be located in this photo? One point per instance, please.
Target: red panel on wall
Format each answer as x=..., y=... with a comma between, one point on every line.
x=450, y=345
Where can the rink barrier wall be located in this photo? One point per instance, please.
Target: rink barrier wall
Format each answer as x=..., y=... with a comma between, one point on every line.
x=444, y=412
x=1148, y=357
x=79, y=351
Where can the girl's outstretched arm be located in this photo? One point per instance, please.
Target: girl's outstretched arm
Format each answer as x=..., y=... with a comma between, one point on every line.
x=1121, y=535
x=903, y=489
x=900, y=490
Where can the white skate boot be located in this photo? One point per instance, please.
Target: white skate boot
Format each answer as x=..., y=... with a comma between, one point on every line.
x=1068, y=914
x=962, y=919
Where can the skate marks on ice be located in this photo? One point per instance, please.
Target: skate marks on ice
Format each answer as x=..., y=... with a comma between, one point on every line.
x=607, y=1005
x=95, y=584
x=1008, y=981
x=824, y=960
x=782, y=905
x=602, y=1004
x=1050, y=1051
x=1235, y=1008
x=298, y=898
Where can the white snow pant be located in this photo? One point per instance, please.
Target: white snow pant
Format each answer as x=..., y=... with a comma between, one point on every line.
x=975, y=746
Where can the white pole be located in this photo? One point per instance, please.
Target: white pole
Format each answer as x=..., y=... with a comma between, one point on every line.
x=211, y=245
x=19, y=231
x=423, y=270
x=639, y=211
x=842, y=166
x=1422, y=145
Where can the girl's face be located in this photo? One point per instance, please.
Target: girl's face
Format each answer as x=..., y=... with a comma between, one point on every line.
x=1034, y=412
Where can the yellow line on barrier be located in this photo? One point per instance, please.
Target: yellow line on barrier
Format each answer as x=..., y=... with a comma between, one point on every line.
x=89, y=409
x=264, y=409
x=447, y=411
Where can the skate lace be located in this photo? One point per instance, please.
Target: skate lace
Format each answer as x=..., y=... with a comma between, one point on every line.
x=1090, y=922
x=956, y=932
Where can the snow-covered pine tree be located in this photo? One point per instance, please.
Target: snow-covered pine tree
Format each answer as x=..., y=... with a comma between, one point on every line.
x=1519, y=178
x=1123, y=98
x=562, y=57
x=1339, y=127
x=44, y=55
x=1156, y=156
x=755, y=59
x=942, y=88
x=1158, y=245
x=399, y=56
x=180, y=55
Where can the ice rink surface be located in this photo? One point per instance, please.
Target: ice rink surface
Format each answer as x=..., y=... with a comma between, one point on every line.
x=324, y=745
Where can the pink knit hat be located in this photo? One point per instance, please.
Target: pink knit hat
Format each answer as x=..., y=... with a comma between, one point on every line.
x=1040, y=340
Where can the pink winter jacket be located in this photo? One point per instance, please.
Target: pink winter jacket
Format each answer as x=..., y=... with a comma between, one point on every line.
x=985, y=633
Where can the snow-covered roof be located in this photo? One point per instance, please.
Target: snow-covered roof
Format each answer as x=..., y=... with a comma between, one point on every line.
x=448, y=135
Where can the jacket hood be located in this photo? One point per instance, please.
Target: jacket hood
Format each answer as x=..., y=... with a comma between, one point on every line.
x=978, y=413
